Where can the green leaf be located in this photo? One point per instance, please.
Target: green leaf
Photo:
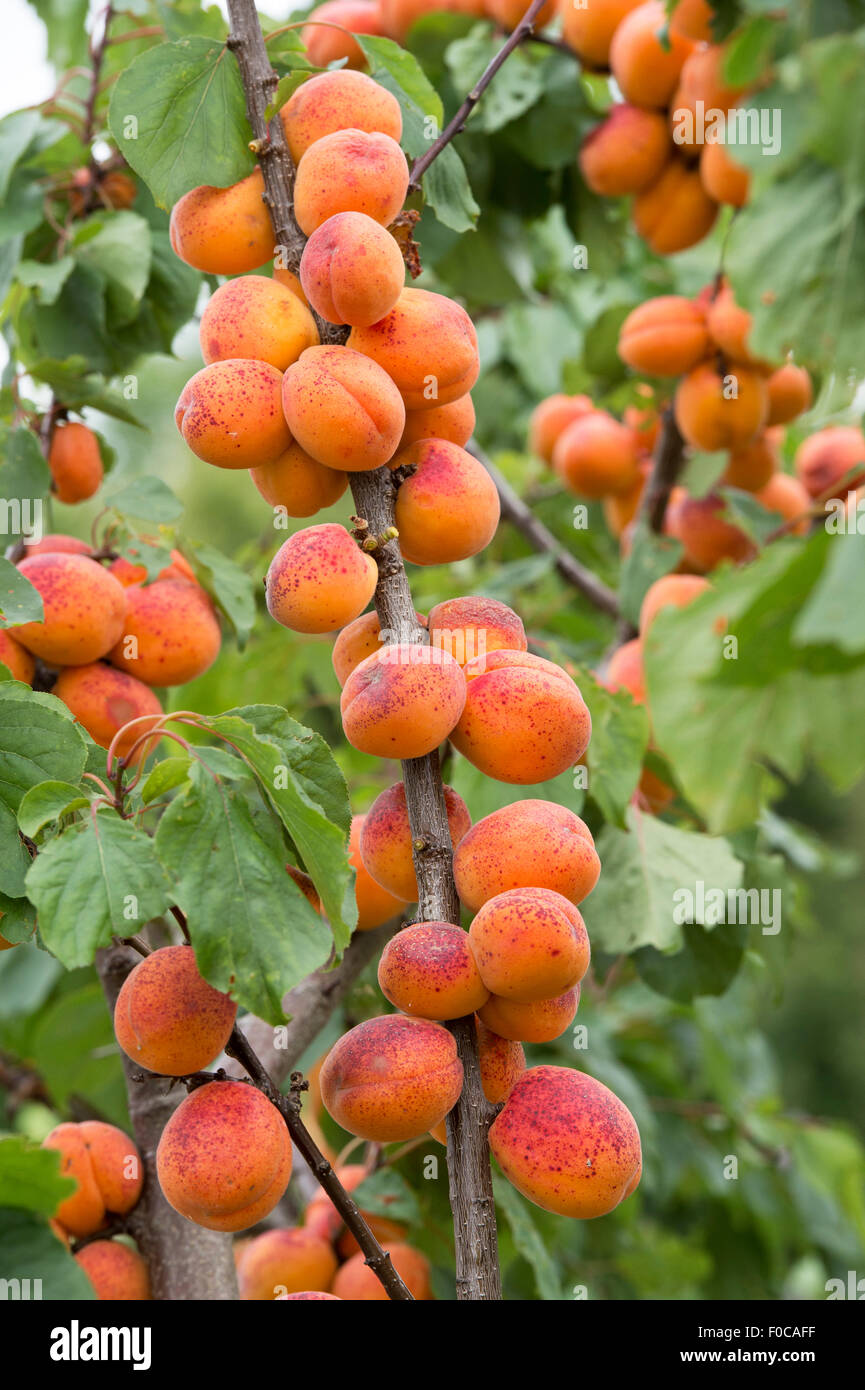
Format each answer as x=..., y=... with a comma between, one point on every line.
x=39, y=742
x=231, y=587
x=528, y=1240
x=97, y=880
x=517, y=85
x=386, y=1193
x=148, y=499
x=14, y=859
x=24, y=476
x=30, y=1178
x=48, y=802
x=70, y=1043
x=17, y=133
x=117, y=246
x=707, y=964
x=29, y=1250
x=166, y=775
x=650, y=557
x=828, y=614
x=18, y=916
x=47, y=278
x=620, y=734
x=178, y=115
x=749, y=51
x=77, y=386
x=19, y=601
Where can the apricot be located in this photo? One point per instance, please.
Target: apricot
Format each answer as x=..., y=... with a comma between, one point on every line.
x=620, y=509
x=675, y=211
x=528, y=844
x=694, y=18
x=721, y=411
x=75, y=462
x=427, y=344
x=786, y=496
x=701, y=84
x=646, y=69
x=167, y=1018
x=230, y=413
x=790, y=393
x=342, y=408
x=170, y=633
x=224, y=1159
x=448, y=509
x=103, y=700
x=625, y=670
x=708, y=539
x=428, y=971
x=319, y=579
x=524, y=720
x=730, y=327
x=454, y=422
x=551, y=418
x=375, y=904
x=16, y=658
x=391, y=1078
x=322, y=1217
x=508, y=13
x=361, y=639
x=284, y=1261
x=644, y=420
x=341, y=100
x=107, y=1168
x=350, y=171
x=256, y=317
x=56, y=542
x=671, y=591
x=529, y=944
x=117, y=1273
x=469, y=627
x=223, y=231
x=398, y=16
x=626, y=152
x=666, y=336
x=352, y=270
x=825, y=458
x=356, y=1282
x=589, y=29
x=325, y=45
x=542, y=1021
x=567, y=1143
x=597, y=455
x=298, y=484
x=127, y=572
x=287, y=278
x=724, y=179
x=83, y=609
x=502, y=1063
x=386, y=839
x=751, y=466
x=402, y=701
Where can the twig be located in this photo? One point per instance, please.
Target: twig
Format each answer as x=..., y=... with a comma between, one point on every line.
x=669, y=458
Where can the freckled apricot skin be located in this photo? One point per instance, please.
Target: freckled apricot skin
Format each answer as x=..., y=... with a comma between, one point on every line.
x=710, y=417
x=375, y=905
x=675, y=211
x=356, y=1282
x=448, y=509
x=319, y=579
x=255, y=317
x=469, y=627
x=402, y=701
x=528, y=844
x=708, y=540
x=298, y=483
x=596, y=456
x=626, y=152
x=428, y=971
x=529, y=944
x=56, y=542
x=341, y=100
x=454, y=422
x=825, y=458
x=790, y=393
x=230, y=414
x=551, y=418
x=107, y=1167
x=524, y=721
x=284, y=1261
x=589, y=29
x=386, y=842
x=103, y=700
x=16, y=658
x=170, y=634
x=223, y=231
x=352, y=270
x=325, y=45
x=84, y=609
x=539, y=1022
x=427, y=344
x=224, y=1159
x=361, y=639
x=391, y=1078
x=75, y=462
x=342, y=408
x=117, y=1273
x=665, y=336
x=646, y=70
x=350, y=171
x=671, y=591
x=167, y=1018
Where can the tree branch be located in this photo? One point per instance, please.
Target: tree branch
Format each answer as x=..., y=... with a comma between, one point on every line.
x=669, y=459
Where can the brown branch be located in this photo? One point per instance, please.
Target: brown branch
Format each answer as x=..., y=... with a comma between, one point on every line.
x=669, y=458
x=97, y=57
x=515, y=510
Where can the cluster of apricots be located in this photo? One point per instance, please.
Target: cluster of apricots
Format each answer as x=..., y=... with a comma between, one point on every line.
x=664, y=143
x=106, y=1168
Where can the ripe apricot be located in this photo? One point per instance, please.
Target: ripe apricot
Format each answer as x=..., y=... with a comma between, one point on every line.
x=626, y=152
x=724, y=179
x=551, y=418
x=646, y=69
x=298, y=483
x=675, y=211
x=665, y=336
x=287, y=278
x=730, y=327
x=454, y=422
x=694, y=18
x=325, y=45
x=16, y=658
x=751, y=466
x=230, y=413
x=786, y=496
x=319, y=579
x=715, y=411
x=524, y=721
x=671, y=591
x=529, y=944
x=107, y=1168
x=471, y=626
x=448, y=509
x=350, y=171
x=625, y=670
x=567, y=1143
x=386, y=839
x=824, y=459
x=375, y=904
x=342, y=408
x=83, y=609
x=341, y=100
x=402, y=701
x=398, y=16
x=127, y=572
x=790, y=393
x=223, y=231
x=103, y=700
x=75, y=462
x=428, y=971
x=256, y=317
x=391, y=1078
x=352, y=269
x=170, y=633
x=284, y=1261
x=589, y=29
x=708, y=539
x=427, y=344
x=361, y=639
x=322, y=1217
x=356, y=1282
x=528, y=844
x=55, y=541
x=502, y=1063
x=542, y=1021
x=116, y=1272
x=508, y=13
x=167, y=1018
x=224, y=1159
x=597, y=455
x=701, y=85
